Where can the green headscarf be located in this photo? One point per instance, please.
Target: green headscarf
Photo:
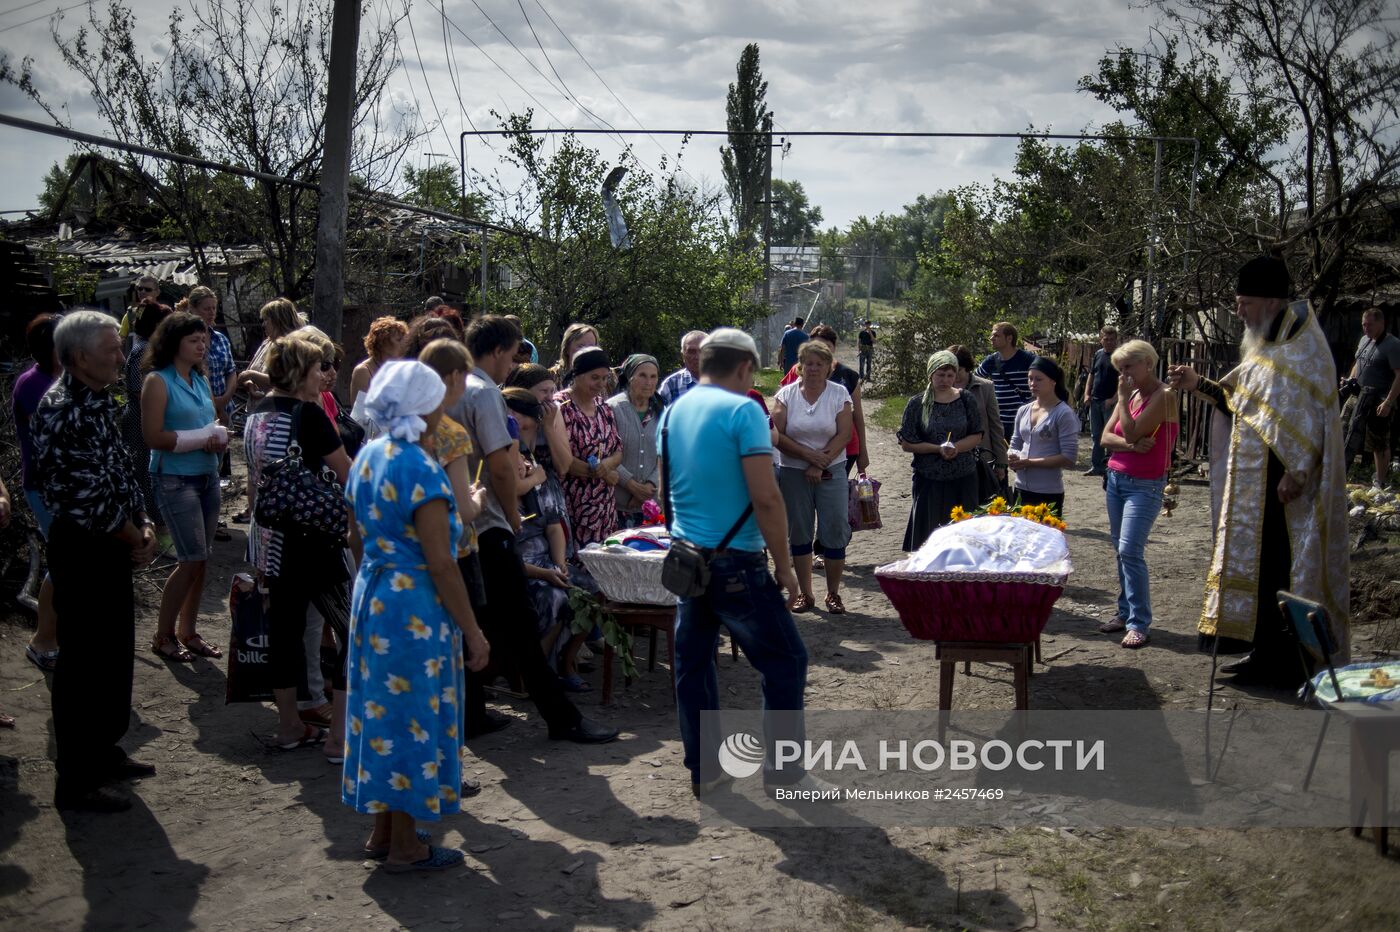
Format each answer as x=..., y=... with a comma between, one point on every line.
x=937, y=361
x=630, y=365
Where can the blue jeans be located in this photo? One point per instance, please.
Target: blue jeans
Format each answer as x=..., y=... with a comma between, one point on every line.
x=743, y=598
x=1133, y=506
x=1099, y=412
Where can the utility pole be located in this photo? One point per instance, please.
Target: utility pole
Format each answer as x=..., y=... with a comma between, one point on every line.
x=328, y=294
x=767, y=229
x=1149, y=315
x=870, y=280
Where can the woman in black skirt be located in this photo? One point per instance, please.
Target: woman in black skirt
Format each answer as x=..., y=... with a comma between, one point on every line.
x=942, y=428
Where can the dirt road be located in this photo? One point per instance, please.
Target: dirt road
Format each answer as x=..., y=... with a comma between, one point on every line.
x=229, y=836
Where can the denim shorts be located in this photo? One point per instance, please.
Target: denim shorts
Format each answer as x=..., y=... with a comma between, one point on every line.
x=190, y=506
x=42, y=518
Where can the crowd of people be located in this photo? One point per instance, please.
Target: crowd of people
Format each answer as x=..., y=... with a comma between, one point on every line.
x=472, y=476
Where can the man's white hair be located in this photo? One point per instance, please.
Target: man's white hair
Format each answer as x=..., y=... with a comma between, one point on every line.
x=693, y=335
x=79, y=332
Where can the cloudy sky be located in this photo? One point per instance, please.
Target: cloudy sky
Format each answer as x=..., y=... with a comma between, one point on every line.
x=973, y=66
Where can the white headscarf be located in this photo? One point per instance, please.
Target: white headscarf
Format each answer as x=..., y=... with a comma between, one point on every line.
x=401, y=391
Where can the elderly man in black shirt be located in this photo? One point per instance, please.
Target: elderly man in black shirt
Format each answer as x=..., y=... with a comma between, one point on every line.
x=100, y=532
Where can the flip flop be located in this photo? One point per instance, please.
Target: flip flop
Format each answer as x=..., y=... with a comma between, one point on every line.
x=309, y=738
x=381, y=853
x=438, y=859
x=574, y=684
x=45, y=660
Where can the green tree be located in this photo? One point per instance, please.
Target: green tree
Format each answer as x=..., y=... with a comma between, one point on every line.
x=795, y=220
x=745, y=160
x=439, y=187
x=1331, y=71
x=229, y=91
x=680, y=273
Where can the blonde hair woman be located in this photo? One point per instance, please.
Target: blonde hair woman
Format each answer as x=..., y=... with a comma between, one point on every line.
x=1139, y=437
x=813, y=417
x=298, y=571
x=576, y=337
x=279, y=317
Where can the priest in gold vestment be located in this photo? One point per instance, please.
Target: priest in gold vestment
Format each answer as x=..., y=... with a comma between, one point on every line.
x=1283, y=514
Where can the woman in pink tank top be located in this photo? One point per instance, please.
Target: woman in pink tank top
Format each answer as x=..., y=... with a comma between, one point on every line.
x=1139, y=436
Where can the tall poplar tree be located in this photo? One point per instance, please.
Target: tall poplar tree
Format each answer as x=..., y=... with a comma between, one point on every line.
x=743, y=160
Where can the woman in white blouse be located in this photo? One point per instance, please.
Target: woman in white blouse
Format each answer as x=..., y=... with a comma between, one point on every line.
x=812, y=417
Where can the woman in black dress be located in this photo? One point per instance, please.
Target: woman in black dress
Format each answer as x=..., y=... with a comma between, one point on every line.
x=942, y=428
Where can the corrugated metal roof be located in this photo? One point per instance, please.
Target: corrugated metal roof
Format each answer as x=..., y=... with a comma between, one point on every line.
x=168, y=262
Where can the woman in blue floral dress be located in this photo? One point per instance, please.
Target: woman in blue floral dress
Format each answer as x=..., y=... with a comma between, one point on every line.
x=409, y=616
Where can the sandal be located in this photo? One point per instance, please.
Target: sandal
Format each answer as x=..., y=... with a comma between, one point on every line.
x=45, y=660
x=1113, y=627
x=803, y=603
x=438, y=859
x=309, y=738
x=381, y=852
x=196, y=644
x=834, y=605
x=7, y=721
x=319, y=717
x=574, y=683
x=176, y=651
x=1134, y=640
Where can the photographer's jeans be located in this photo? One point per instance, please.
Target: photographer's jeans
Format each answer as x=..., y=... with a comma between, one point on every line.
x=743, y=598
x=1133, y=506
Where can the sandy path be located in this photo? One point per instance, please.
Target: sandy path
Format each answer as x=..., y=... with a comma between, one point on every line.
x=230, y=836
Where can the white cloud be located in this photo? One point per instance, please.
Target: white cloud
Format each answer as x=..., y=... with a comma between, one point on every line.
x=977, y=66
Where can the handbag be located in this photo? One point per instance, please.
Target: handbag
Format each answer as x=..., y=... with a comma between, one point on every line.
x=685, y=571
x=249, y=666
x=863, y=516
x=988, y=485
x=352, y=433
x=293, y=498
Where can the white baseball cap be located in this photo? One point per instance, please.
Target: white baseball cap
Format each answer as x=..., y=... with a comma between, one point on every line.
x=731, y=338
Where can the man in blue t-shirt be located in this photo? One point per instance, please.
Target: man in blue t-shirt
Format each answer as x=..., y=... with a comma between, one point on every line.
x=717, y=478
x=1006, y=367
x=793, y=338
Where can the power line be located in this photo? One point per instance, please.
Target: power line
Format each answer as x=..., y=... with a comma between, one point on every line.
x=550, y=62
x=45, y=16
x=597, y=120
x=499, y=66
x=605, y=84
x=383, y=200
x=426, y=83
x=21, y=7
x=451, y=55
